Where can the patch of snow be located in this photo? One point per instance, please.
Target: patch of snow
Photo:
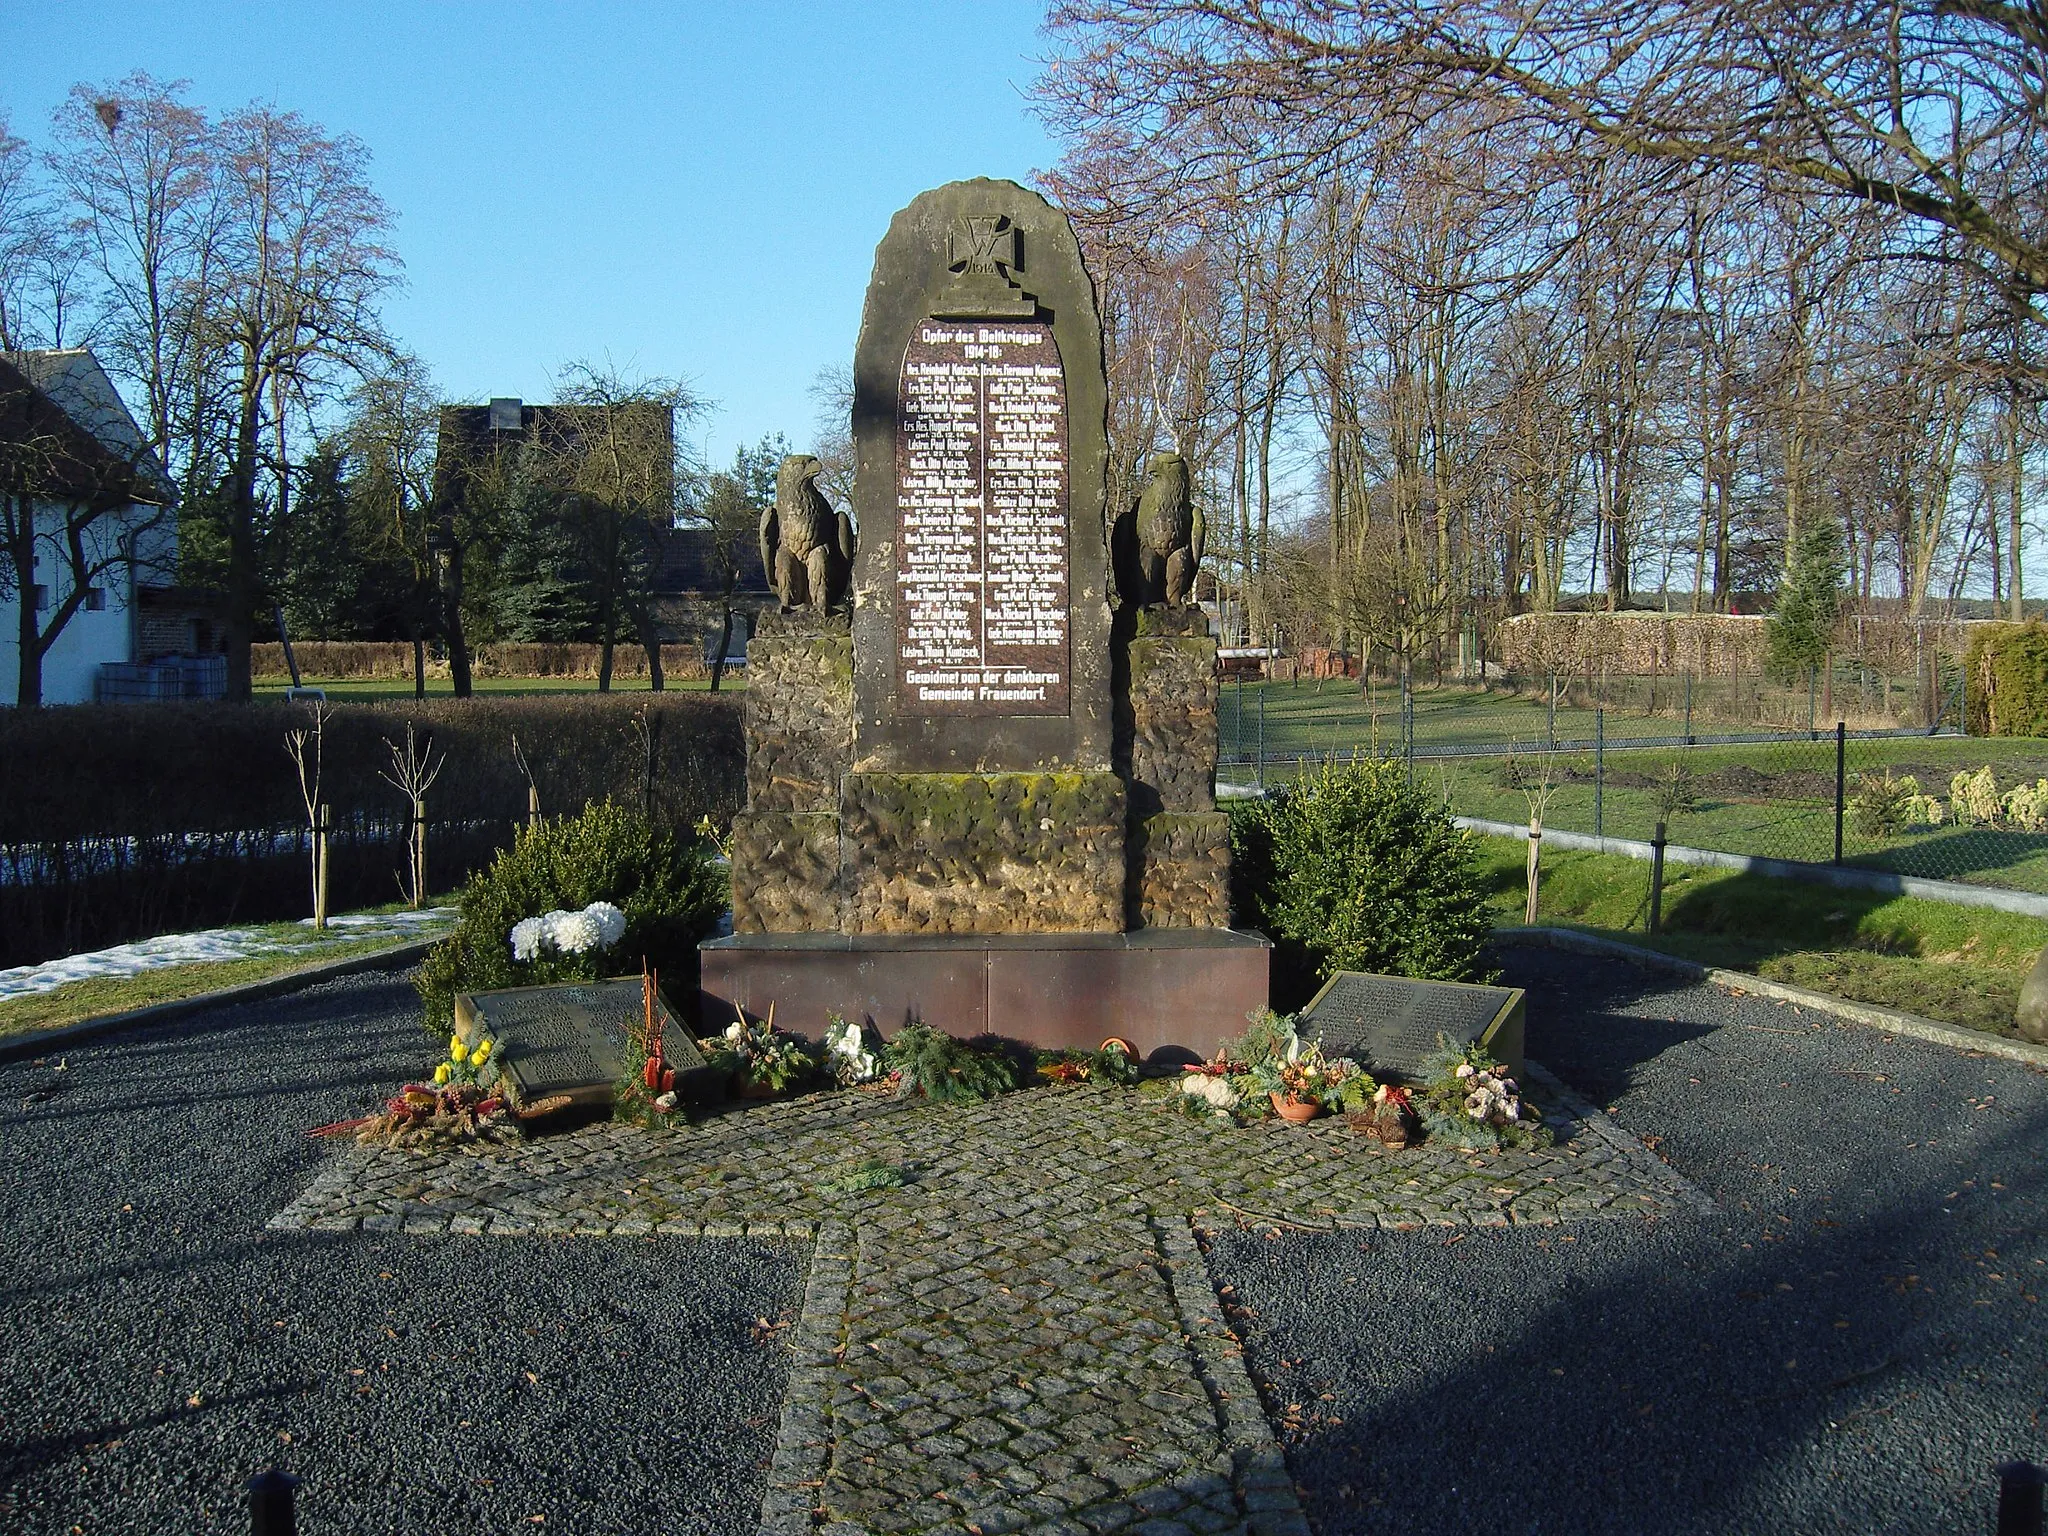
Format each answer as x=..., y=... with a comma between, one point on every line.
x=205, y=948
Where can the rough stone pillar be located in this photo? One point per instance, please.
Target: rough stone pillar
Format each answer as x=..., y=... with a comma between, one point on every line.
x=786, y=859
x=1179, y=843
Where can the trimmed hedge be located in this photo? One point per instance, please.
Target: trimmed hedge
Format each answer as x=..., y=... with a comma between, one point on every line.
x=393, y=658
x=2006, y=680
x=119, y=822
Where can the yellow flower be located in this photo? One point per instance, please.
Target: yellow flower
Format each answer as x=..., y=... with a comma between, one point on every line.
x=443, y=1072
x=482, y=1053
x=457, y=1051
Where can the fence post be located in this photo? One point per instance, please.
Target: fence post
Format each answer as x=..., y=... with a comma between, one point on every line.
x=1688, y=706
x=1237, y=724
x=1262, y=739
x=2019, y=1499
x=1810, y=731
x=1599, y=765
x=1841, y=764
x=1657, y=878
x=533, y=805
x=270, y=1503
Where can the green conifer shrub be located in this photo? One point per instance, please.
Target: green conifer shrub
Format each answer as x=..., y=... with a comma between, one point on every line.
x=1355, y=869
x=672, y=891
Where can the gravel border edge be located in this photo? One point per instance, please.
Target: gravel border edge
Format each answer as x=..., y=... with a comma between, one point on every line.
x=804, y=1439
x=1264, y=1485
x=38, y=1042
x=1892, y=1020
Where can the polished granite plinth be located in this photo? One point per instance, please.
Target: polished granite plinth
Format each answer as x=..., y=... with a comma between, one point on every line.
x=1170, y=992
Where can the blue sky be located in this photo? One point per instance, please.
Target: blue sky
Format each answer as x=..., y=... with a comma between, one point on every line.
x=689, y=188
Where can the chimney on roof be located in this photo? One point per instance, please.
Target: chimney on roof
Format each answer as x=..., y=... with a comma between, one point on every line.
x=505, y=415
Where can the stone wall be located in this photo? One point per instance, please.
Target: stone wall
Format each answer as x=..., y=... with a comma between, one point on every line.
x=983, y=853
x=785, y=872
x=799, y=713
x=1179, y=843
x=1180, y=870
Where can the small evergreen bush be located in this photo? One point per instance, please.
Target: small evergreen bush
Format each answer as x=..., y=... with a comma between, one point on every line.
x=671, y=891
x=1355, y=869
x=2006, y=673
x=1800, y=631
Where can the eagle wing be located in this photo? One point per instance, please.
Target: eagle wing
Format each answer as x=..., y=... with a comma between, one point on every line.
x=1198, y=534
x=846, y=538
x=1123, y=553
x=771, y=535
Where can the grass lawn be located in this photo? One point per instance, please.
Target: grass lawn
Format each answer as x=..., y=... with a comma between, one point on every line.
x=1772, y=799
x=1960, y=965
x=75, y=1002
x=378, y=688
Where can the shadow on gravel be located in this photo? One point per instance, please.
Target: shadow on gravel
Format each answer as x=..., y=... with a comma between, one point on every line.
x=1850, y=1346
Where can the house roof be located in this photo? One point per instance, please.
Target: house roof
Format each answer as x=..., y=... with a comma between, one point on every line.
x=689, y=570
x=71, y=380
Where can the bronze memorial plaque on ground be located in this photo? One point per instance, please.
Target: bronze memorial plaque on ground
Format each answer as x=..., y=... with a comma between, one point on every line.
x=576, y=1039
x=1391, y=1023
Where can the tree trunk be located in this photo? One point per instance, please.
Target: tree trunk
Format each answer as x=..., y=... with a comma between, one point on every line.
x=451, y=625
x=21, y=555
x=2018, y=462
x=419, y=663
x=724, y=644
x=243, y=579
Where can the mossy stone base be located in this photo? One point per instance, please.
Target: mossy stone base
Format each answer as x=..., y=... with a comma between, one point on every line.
x=1180, y=870
x=799, y=712
x=1172, y=723
x=937, y=853
x=785, y=872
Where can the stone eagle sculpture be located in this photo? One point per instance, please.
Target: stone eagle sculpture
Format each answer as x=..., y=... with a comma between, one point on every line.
x=1157, y=545
x=806, y=548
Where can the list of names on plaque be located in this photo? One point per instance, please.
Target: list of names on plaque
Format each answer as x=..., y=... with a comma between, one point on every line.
x=982, y=591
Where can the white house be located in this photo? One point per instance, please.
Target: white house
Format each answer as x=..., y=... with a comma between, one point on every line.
x=82, y=497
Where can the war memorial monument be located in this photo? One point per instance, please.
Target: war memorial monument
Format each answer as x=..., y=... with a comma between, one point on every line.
x=981, y=747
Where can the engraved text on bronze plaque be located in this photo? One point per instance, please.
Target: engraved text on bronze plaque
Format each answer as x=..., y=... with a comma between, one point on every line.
x=983, y=601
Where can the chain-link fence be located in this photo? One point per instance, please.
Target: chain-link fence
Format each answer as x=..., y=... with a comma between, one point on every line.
x=1929, y=803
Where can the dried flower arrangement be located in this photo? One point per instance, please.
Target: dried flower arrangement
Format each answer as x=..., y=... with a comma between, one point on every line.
x=1468, y=1100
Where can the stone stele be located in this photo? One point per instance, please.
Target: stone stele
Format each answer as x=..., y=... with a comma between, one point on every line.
x=988, y=800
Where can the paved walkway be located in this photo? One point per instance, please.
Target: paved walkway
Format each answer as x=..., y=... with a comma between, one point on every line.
x=1023, y=1335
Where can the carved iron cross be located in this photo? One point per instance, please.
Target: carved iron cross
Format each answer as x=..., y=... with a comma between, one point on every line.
x=983, y=245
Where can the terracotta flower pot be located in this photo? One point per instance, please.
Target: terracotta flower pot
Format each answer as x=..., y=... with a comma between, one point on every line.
x=1295, y=1111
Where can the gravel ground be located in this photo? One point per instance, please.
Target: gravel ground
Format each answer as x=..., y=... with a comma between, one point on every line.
x=1850, y=1344
x=161, y=1346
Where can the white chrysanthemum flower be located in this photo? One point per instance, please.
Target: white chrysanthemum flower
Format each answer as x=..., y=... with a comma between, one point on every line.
x=1216, y=1092
x=1479, y=1105
x=1464, y=1069
x=611, y=923
x=1511, y=1109
x=735, y=1033
x=573, y=933
x=526, y=935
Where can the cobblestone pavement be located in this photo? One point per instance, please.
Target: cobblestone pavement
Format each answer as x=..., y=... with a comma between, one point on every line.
x=1022, y=1334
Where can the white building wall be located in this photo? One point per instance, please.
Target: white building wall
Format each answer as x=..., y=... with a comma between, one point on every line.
x=72, y=664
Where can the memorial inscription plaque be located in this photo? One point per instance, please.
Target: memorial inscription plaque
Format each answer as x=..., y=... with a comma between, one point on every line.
x=982, y=591
x=981, y=615
x=1391, y=1023
x=573, y=1040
